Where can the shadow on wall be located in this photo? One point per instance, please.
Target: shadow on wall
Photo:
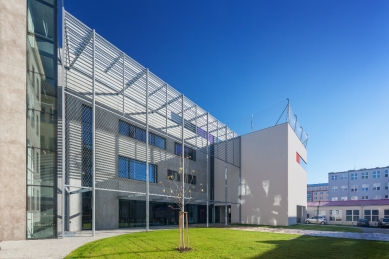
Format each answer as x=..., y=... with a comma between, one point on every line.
x=294, y=246
x=266, y=206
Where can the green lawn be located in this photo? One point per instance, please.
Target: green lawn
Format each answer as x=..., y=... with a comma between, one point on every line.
x=338, y=228
x=228, y=243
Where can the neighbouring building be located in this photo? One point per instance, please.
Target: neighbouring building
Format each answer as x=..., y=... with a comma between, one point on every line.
x=317, y=192
x=362, y=184
x=90, y=139
x=348, y=212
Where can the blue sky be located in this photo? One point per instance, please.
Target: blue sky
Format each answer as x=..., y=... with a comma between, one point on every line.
x=238, y=58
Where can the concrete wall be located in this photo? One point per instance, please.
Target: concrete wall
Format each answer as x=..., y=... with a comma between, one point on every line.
x=265, y=176
x=297, y=178
x=12, y=119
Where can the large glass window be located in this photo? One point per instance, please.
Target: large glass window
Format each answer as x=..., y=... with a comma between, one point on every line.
x=140, y=134
x=365, y=175
x=352, y=215
x=354, y=176
x=371, y=215
x=41, y=117
x=386, y=214
x=86, y=136
x=188, y=152
x=134, y=169
x=335, y=215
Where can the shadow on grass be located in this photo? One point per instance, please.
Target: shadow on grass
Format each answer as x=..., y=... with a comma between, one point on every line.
x=307, y=247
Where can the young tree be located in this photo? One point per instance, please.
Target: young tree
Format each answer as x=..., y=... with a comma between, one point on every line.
x=181, y=189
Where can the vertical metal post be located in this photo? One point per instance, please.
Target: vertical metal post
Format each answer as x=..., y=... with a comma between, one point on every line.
x=166, y=109
x=93, y=138
x=207, y=171
x=147, y=151
x=63, y=126
x=288, y=114
x=226, y=179
x=183, y=155
x=124, y=84
x=240, y=180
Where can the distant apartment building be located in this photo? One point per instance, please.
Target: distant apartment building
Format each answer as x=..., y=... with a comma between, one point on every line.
x=362, y=184
x=317, y=192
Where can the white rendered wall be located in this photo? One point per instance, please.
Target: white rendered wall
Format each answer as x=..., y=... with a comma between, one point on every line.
x=264, y=171
x=297, y=177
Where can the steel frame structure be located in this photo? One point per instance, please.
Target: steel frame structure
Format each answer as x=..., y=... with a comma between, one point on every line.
x=100, y=75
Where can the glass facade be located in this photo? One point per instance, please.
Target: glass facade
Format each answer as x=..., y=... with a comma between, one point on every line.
x=41, y=118
x=133, y=213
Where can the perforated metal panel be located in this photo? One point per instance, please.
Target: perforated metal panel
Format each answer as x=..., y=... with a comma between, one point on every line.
x=125, y=92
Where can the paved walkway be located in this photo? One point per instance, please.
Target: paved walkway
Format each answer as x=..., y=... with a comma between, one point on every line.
x=59, y=248
x=352, y=235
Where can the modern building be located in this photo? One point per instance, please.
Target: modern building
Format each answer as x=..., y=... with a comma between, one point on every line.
x=362, y=184
x=348, y=212
x=91, y=139
x=317, y=192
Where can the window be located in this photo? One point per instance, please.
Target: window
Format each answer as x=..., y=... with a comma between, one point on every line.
x=386, y=185
x=334, y=198
x=335, y=215
x=321, y=192
x=343, y=188
x=344, y=198
x=386, y=196
x=365, y=187
x=354, y=188
x=377, y=197
x=136, y=170
x=365, y=175
x=354, y=176
x=352, y=215
x=190, y=179
x=343, y=176
x=140, y=134
x=334, y=188
x=386, y=173
x=386, y=214
x=376, y=186
x=173, y=175
x=315, y=193
x=365, y=197
x=188, y=152
x=315, y=198
x=86, y=149
x=334, y=177
x=376, y=174
x=371, y=215
x=354, y=198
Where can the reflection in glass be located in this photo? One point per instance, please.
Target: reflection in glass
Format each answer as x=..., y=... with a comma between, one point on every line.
x=41, y=119
x=41, y=212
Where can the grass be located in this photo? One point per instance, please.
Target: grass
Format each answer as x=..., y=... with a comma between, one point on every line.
x=228, y=243
x=309, y=227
